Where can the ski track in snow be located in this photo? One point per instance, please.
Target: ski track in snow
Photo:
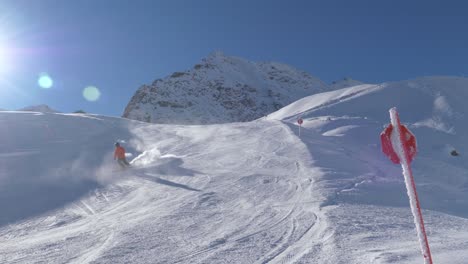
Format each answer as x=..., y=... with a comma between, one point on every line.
x=287, y=229
x=133, y=209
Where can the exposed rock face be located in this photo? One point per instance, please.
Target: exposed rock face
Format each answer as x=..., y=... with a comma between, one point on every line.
x=221, y=89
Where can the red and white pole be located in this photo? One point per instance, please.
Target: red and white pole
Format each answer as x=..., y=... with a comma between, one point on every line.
x=404, y=149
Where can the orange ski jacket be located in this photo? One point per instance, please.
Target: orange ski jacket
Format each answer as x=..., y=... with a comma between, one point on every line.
x=119, y=153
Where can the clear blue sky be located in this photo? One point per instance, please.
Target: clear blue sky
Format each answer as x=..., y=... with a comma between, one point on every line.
x=117, y=46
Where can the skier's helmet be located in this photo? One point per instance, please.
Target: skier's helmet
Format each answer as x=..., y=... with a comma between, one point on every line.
x=117, y=144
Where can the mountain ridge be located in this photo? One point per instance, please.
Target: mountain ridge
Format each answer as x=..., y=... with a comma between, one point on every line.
x=221, y=89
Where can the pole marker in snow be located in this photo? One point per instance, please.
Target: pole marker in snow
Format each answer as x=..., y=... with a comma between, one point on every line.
x=399, y=144
x=300, y=121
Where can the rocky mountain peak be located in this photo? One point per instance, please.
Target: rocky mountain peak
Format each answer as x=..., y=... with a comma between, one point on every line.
x=221, y=89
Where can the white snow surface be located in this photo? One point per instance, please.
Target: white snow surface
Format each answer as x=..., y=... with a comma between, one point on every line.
x=249, y=192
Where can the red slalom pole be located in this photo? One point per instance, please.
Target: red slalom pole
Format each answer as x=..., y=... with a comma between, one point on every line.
x=400, y=145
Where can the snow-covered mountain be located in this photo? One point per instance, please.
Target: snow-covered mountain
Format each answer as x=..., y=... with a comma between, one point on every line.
x=253, y=192
x=39, y=108
x=221, y=89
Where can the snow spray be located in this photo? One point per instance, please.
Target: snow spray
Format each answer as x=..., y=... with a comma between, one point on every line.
x=399, y=144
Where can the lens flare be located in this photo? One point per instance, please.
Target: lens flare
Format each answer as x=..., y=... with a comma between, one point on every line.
x=3, y=60
x=45, y=81
x=91, y=93
x=6, y=61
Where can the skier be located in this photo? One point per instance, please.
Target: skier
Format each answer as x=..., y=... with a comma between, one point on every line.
x=119, y=155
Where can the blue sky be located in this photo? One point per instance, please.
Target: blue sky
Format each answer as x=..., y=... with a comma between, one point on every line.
x=117, y=46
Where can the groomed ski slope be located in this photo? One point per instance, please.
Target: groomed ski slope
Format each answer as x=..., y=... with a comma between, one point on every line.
x=239, y=192
x=233, y=193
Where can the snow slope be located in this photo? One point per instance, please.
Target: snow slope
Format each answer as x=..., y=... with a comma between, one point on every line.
x=352, y=118
x=192, y=197
x=221, y=89
x=238, y=193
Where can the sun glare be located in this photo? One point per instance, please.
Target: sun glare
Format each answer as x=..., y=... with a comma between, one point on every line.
x=3, y=59
x=6, y=60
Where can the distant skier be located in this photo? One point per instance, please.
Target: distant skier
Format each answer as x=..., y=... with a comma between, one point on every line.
x=119, y=155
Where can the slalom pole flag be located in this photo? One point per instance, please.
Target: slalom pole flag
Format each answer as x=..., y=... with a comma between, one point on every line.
x=399, y=144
